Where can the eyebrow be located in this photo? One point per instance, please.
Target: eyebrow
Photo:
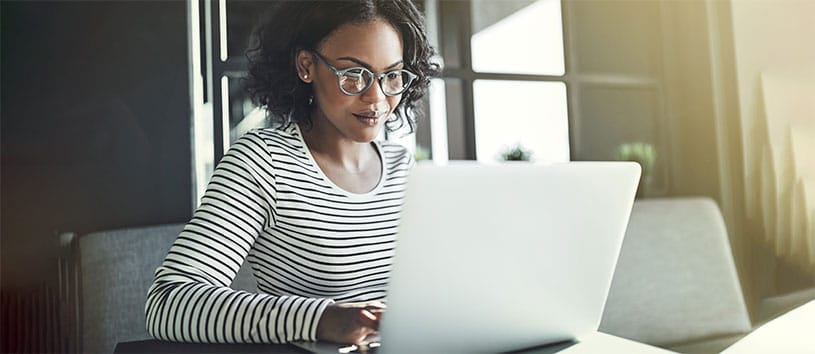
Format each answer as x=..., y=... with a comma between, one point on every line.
x=366, y=65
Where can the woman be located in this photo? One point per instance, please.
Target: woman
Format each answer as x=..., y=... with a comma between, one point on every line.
x=313, y=203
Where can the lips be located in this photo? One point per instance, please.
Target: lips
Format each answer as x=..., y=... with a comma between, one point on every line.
x=369, y=118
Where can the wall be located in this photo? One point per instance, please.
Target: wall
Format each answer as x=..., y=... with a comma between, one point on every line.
x=768, y=36
x=95, y=126
x=700, y=60
x=617, y=89
x=706, y=155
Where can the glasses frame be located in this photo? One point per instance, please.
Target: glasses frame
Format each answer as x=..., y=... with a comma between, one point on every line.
x=376, y=75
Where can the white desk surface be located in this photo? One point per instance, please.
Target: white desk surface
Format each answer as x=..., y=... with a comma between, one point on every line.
x=793, y=332
x=599, y=342
x=593, y=343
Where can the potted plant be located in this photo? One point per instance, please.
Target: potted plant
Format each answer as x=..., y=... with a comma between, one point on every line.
x=645, y=154
x=516, y=153
x=421, y=154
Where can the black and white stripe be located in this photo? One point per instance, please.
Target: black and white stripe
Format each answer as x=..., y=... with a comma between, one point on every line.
x=309, y=242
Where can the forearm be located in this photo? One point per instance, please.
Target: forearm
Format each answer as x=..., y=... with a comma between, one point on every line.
x=204, y=313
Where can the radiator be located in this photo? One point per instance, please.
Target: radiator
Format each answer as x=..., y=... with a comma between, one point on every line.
x=42, y=318
x=32, y=321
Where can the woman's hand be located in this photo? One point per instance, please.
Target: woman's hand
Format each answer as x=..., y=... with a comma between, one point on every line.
x=350, y=323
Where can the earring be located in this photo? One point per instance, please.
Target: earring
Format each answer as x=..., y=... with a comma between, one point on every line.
x=305, y=77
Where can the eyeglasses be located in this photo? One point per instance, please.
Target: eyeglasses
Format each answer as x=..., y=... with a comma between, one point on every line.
x=356, y=80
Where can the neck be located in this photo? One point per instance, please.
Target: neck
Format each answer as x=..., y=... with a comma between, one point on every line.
x=327, y=144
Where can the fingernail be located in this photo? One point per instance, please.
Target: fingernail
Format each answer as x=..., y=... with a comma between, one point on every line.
x=368, y=314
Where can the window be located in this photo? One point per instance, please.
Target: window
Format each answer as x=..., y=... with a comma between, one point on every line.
x=222, y=112
x=504, y=79
x=521, y=37
x=503, y=82
x=504, y=119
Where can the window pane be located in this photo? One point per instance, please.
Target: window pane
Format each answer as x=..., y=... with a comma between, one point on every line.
x=532, y=114
x=241, y=17
x=618, y=37
x=517, y=36
x=242, y=114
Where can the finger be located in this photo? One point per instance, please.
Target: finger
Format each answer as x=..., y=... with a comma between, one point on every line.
x=365, y=346
x=363, y=334
x=367, y=304
x=375, y=312
x=373, y=337
x=376, y=304
x=368, y=319
x=379, y=303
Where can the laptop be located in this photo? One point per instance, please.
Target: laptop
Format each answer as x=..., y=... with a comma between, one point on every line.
x=503, y=257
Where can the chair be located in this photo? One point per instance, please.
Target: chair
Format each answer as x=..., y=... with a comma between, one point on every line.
x=115, y=270
x=675, y=285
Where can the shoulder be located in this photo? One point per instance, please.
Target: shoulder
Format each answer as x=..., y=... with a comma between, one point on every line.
x=276, y=141
x=265, y=145
x=286, y=135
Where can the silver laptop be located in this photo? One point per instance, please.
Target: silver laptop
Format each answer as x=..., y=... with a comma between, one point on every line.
x=496, y=258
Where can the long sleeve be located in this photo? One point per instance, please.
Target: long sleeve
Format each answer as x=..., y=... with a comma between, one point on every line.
x=190, y=299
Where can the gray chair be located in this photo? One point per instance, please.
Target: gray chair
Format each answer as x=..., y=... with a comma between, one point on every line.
x=115, y=270
x=675, y=284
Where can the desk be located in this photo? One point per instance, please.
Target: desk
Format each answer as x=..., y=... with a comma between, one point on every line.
x=790, y=333
x=158, y=346
x=605, y=343
x=594, y=343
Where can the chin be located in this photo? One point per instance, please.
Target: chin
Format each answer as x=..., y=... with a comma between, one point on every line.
x=367, y=136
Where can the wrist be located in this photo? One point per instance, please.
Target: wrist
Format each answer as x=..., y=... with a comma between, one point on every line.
x=318, y=325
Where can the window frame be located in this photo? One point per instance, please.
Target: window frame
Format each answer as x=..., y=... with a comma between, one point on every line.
x=454, y=23
x=449, y=27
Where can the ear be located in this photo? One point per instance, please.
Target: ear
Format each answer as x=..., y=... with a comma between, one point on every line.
x=304, y=61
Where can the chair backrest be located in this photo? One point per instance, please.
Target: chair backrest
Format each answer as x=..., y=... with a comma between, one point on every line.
x=116, y=269
x=675, y=280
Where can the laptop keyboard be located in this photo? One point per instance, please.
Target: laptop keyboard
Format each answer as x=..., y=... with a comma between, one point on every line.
x=369, y=347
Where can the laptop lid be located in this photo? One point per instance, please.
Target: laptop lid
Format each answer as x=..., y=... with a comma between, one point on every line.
x=501, y=257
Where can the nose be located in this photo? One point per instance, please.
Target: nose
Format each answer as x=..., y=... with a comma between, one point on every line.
x=374, y=94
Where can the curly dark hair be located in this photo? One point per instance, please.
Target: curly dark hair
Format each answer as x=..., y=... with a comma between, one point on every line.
x=289, y=26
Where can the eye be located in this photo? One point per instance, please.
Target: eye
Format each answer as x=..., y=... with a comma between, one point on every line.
x=355, y=73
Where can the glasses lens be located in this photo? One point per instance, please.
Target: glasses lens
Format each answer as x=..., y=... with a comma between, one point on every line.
x=355, y=80
x=396, y=82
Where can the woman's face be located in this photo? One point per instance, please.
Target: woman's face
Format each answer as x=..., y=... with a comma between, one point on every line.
x=374, y=45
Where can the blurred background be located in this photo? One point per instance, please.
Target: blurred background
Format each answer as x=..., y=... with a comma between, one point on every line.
x=114, y=114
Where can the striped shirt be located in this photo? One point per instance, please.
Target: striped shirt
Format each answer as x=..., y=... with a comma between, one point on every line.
x=309, y=242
